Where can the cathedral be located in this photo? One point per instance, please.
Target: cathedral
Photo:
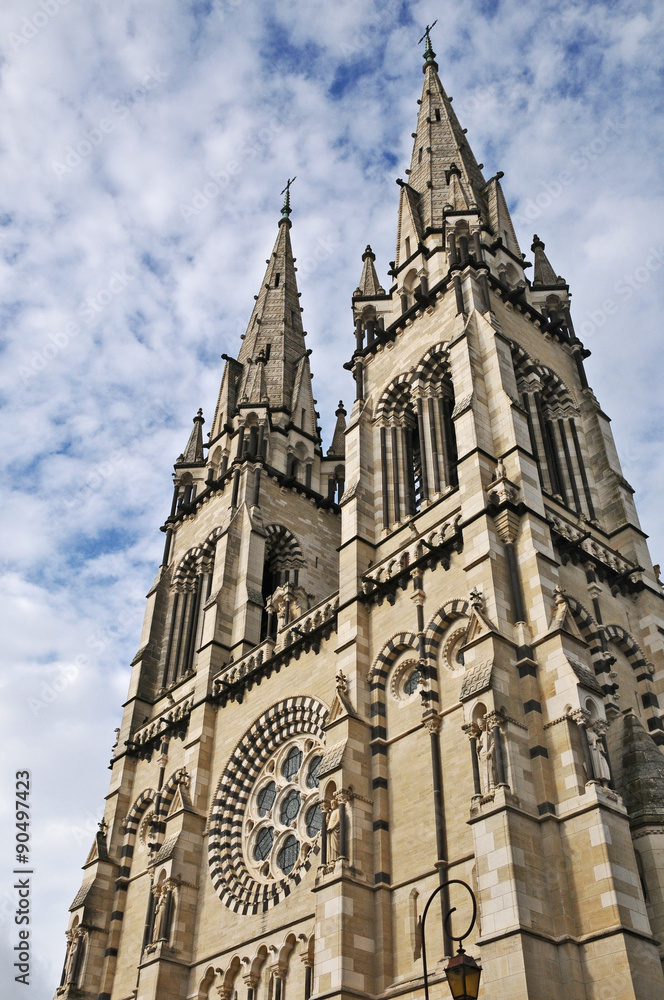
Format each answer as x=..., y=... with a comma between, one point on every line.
x=426, y=659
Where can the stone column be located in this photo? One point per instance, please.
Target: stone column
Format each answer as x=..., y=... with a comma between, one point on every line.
x=433, y=723
x=471, y=732
x=423, y=448
x=342, y=799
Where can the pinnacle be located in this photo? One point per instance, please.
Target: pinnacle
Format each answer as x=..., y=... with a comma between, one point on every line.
x=194, y=451
x=544, y=275
x=337, y=448
x=369, y=284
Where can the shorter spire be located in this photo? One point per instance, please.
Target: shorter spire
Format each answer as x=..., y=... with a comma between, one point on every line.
x=194, y=451
x=369, y=283
x=544, y=273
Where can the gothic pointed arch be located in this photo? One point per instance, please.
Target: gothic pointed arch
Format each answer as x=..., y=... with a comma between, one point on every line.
x=647, y=700
x=432, y=385
x=284, y=548
x=191, y=586
x=434, y=367
x=439, y=623
x=283, y=562
x=586, y=624
x=556, y=436
x=394, y=399
x=392, y=649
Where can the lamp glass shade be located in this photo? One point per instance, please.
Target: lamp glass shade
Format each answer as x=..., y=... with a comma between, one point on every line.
x=463, y=977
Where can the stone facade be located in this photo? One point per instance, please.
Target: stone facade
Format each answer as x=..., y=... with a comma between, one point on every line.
x=433, y=653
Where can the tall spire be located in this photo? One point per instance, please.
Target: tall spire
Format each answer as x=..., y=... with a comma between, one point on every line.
x=443, y=170
x=275, y=328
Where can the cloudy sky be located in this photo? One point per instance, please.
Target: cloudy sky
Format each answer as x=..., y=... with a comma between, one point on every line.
x=143, y=148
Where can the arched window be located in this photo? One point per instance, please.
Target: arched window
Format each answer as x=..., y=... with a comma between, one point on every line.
x=186, y=490
x=417, y=438
x=336, y=484
x=191, y=587
x=283, y=562
x=552, y=418
x=409, y=285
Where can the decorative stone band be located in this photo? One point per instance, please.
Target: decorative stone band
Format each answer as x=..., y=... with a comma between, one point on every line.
x=150, y=735
x=236, y=887
x=306, y=632
x=579, y=546
x=420, y=552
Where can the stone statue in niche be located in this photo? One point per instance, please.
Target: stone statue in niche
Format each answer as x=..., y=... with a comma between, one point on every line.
x=157, y=916
x=486, y=758
x=599, y=758
x=333, y=825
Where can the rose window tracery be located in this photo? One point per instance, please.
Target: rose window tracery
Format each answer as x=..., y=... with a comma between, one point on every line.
x=266, y=819
x=283, y=816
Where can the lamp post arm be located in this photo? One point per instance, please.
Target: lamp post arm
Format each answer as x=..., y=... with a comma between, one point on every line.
x=462, y=937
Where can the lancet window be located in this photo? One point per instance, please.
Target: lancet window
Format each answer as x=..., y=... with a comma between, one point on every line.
x=192, y=583
x=283, y=562
x=336, y=484
x=555, y=438
x=185, y=491
x=418, y=452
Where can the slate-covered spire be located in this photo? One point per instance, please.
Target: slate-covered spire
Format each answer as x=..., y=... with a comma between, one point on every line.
x=640, y=772
x=193, y=453
x=369, y=283
x=443, y=169
x=275, y=327
x=544, y=276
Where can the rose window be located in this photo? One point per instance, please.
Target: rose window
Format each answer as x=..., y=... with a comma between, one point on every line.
x=265, y=820
x=283, y=817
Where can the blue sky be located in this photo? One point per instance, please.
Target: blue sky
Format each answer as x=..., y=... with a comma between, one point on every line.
x=122, y=282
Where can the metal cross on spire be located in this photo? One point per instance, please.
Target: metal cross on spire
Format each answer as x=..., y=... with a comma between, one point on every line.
x=286, y=210
x=428, y=51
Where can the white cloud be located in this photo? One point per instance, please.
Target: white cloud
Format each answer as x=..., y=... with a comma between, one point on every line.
x=93, y=419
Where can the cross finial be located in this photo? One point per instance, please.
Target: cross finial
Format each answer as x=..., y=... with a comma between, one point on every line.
x=286, y=210
x=429, y=54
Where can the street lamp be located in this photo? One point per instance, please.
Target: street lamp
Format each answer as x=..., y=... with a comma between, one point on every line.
x=463, y=972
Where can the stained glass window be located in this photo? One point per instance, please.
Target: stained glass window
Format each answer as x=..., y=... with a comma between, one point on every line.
x=413, y=682
x=290, y=807
x=312, y=776
x=266, y=798
x=288, y=855
x=263, y=844
x=314, y=820
x=292, y=763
